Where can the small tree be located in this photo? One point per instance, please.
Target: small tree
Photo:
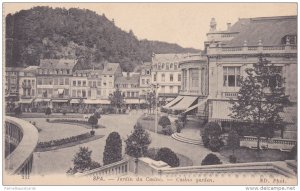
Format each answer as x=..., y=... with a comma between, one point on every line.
x=168, y=156
x=164, y=121
x=48, y=111
x=137, y=143
x=93, y=121
x=261, y=97
x=233, y=140
x=117, y=99
x=18, y=111
x=211, y=135
x=211, y=159
x=113, y=149
x=151, y=101
x=82, y=161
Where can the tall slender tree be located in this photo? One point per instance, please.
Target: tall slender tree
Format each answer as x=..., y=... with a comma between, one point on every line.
x=113, y=149
x=261, y=97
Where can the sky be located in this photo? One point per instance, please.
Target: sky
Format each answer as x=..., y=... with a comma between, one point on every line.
x=183, y=23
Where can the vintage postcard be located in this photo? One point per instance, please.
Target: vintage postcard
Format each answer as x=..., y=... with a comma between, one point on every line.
x=150, y=94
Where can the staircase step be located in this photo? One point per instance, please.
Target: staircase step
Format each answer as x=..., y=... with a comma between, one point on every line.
x=186, y=140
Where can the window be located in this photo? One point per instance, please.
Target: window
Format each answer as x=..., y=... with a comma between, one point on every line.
x=110, y=76
x=148, y=81
x=194, y=77
x=66, y=92
x=79, y=93
x=154, y=77
x=94, y=83
x=179, y=77
x=231, y=76
x=159, y=66
x=98, y=83
x=132, y=94
x=171, y=66
x=171, y=77
x=83, y=93
x=162, y=89
x=84, y=83
x=143, y=81
x=163, y=66
x=79, y=82
x=175, y=66
x=33, y=92
x=162, y=77
x=73, y=93
x=66, y=81
x=148, y=72
x=90, y=83
x=61, y=81
x=39, y=81
x=167, y=66
x=89, y=93
x=98, y=92
x=171, y=89
x=68, y=71
x=74, y=83
x=184, y=79
x=128, y=94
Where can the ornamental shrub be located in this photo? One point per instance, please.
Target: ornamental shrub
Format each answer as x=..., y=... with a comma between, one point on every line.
x=167, y=130
x=215, y=144
x=168, y=156
x=113, y=149
x=164, y=121
x=211, y=159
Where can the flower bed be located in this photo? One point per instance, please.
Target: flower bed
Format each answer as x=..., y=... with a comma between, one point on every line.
x=63, y=141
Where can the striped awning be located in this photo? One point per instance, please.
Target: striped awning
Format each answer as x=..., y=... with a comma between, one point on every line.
x=195, y=106
x=173, y=102
x=184, y=103
x=59, y=100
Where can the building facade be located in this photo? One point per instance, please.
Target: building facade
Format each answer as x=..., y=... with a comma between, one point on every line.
x=166, y=73
x=230, y=52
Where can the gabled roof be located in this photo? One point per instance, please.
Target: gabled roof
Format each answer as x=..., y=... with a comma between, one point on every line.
x=57, y=63
x=133, y=79
x=270, y=30
x=111, y=68
x=31, y=69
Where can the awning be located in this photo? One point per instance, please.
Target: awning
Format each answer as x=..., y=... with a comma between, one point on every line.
x=75, y=101
x=60, y=91
x=170, y=99
x=41, y=100
x=59, y=100
x=173, y=102
x=96, y=101
x=28, y=101
x=185, y=103
x=133, y=101
x=195, y=106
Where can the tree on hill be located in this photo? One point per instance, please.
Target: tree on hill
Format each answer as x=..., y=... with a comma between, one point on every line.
x=113, y=149
x=44, y=32
x=261, y=98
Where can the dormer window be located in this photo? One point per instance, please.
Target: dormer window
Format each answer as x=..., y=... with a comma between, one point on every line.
x=289, y=39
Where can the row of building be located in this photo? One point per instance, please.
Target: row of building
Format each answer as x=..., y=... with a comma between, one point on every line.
x=199, y=84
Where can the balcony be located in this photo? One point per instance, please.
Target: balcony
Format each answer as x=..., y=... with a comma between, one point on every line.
x=230, y=94
x=191, y=92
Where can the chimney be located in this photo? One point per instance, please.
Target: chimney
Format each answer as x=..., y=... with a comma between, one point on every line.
x=228, y=26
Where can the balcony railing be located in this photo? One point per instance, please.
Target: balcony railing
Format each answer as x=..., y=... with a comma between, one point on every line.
x=230, y=94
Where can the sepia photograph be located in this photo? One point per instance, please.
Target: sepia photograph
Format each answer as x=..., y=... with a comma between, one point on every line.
x=149, y=94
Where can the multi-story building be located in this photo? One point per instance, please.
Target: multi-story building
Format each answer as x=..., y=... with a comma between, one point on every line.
x=12, y=83
x=166, y=74
x=145, y=79
x=110, y=72
x=230, y=52
x=128, y=84
x=53, y=82
x=27, y=87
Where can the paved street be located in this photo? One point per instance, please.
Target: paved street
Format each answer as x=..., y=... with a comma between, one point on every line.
x=58, y=161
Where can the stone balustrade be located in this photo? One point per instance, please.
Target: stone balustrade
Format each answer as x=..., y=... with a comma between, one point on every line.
x=252, y=49
x=24, y=136
x=115, y=169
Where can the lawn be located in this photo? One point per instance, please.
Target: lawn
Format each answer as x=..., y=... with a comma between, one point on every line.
x=148, y=123
x=245, y=155
x=183, y=160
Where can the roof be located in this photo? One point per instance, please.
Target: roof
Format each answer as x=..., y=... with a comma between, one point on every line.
x=168, y=57
x=111, y=68
x=270, y=30
x=13, y=69
x=133, y=79
x=57, y=63
x=31, y=69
